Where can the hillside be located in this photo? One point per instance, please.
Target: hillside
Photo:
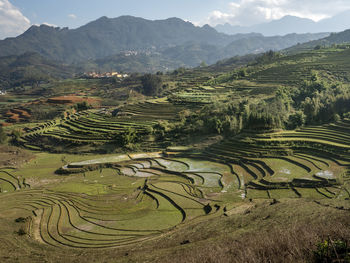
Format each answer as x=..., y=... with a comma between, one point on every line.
x=30, y=68
x=333, y=39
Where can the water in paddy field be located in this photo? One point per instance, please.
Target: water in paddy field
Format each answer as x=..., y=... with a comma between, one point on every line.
x=326, y=175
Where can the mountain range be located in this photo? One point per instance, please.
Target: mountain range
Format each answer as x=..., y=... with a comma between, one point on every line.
x=105, y=37
x=291, y=24
x=135, y=44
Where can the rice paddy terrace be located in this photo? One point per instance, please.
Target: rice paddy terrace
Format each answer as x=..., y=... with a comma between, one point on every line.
x=194, y=89
x=98, y=127
x=292, y=70
x=125, y=199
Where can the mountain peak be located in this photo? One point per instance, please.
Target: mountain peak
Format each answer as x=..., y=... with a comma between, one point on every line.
x=103, y=18
x=174, y=19
x=35, y=29
x=293, y=18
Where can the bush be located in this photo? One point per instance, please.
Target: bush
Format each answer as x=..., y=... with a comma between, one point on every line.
x=332, y=251
x=21, y=232
x=82, y=106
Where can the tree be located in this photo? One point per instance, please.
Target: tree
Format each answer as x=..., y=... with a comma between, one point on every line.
x=16, y=135
x=81, y=106
x=151, y=84
x=296, y=120
x=3, y=136
x=127, y=137
x=203, y=64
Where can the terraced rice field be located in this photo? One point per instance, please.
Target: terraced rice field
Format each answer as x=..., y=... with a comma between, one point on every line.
x=122, y=200
x=98, y=127
x=310, y=162
x=128, y=202
x=10, y=183
x=126, y=199
x=288, y=73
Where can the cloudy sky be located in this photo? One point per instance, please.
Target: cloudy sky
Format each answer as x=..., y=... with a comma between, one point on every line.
x=17, y=15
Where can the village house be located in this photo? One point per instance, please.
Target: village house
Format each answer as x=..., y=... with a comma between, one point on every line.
x=95, y=75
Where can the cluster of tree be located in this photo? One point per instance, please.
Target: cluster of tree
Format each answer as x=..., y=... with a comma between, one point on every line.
x=268, y=56
x=152, y=85
x=327, y=103
x=81, y=106
x=315, y=102
x=126, y=138
x=223, y=118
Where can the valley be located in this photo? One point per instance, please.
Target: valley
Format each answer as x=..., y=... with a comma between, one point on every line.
x=179, y=163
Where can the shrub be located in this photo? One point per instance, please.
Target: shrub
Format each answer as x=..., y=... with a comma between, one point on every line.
x=125, y=138
x=332, y=251
x=21, y=232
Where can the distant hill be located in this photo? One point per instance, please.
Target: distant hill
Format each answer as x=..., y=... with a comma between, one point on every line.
x=283, y=26
x=158, y=45
x=334, y=38
x=192, y=54
x=291, y=24
x=261, y=44
x=30, y=68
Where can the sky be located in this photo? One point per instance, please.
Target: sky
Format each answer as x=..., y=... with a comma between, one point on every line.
x=18, y=15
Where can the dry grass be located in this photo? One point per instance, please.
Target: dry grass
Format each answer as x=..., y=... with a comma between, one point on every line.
x=292, y=238
x=11, y=156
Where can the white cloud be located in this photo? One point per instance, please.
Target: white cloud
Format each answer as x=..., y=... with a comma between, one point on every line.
x=12, y=21
x=72, y=16
x=250, y=12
